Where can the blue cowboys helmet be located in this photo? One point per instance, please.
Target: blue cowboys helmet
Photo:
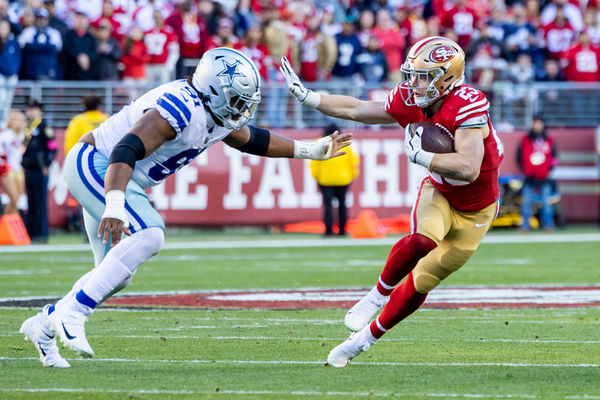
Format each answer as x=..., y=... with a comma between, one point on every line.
x=230, y=84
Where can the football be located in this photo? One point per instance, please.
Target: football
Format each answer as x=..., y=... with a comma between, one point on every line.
x=434, y=137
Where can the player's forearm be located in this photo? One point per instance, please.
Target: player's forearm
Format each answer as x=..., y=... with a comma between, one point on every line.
x=117, y=176
x=280, y=146
x=455, y=166
x=339, y=106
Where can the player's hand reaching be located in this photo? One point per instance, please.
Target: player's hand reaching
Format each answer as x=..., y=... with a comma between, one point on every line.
x=338, y=142
x=413, y=148
x=298, y=90
x=323, y=149
x=114, y=221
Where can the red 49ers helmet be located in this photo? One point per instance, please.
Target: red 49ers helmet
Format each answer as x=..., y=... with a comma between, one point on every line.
x=434, y=66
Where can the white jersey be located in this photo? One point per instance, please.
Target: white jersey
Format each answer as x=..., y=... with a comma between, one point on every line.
x=178, y=103
x=10, y=147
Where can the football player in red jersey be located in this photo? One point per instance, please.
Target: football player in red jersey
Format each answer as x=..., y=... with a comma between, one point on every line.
x=457, y=201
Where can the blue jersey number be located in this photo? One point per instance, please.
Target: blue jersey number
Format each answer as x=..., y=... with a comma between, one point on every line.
x=161, y=171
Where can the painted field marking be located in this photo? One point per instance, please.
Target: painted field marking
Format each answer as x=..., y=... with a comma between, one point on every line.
x=327, y=339
x=299, y=362
x=344, y=298
x=395, y=394
x=278, y=243
x=443, y=297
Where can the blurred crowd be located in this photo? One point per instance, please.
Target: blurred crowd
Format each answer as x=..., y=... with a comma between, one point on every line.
x=146, y=40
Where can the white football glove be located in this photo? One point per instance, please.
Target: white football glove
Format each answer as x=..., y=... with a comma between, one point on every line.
x=115, y=206
x=298, y=90
x=319, y=150
x=413, y=149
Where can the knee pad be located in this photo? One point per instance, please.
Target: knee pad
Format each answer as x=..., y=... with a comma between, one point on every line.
x=139, y=247
x=454, y=259
x=437, y=266
x=425, y=282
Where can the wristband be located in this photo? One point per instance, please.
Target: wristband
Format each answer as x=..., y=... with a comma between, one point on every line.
x=424, y=158
x=312, y=99
x=319, y=150
x=115, y=206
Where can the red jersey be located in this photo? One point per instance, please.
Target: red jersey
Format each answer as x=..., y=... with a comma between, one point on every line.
x=461, y=107
x=583, y=64
x=536, y=157
x=192, y=31
x=462, y=21
x=157, y=42
x=259, y=54
x=392, y=43
x=135, y=60
x=558, y=38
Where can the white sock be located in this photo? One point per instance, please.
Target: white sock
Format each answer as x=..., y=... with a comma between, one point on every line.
x=109, y=274
x=76, y=288
x=374, y=293
x=367, y=335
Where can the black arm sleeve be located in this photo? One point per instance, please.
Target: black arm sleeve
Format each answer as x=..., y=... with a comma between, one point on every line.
x=128, y=150
x=258, y=143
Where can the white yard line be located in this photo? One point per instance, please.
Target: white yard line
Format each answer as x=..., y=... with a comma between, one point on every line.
x=299, y=362
x=298, y=393
x=278, y=243
x=328, y=339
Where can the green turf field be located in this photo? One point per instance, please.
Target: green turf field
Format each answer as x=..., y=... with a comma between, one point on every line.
x=526, y=353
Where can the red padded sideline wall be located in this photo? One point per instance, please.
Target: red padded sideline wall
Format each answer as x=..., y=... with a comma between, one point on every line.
x=226, y=187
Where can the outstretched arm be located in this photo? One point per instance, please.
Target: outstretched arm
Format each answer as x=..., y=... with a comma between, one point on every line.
x=339, y=106
x=262, y=142
x=146, y=135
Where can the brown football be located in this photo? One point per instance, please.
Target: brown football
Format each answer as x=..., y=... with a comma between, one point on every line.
x=434, y=137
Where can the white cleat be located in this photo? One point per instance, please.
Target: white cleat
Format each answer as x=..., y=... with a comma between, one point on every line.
x=361, y=313
x=37, y=331
x=70, y=327
x=357, y=343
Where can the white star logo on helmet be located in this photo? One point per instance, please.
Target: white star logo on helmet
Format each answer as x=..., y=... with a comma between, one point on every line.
x=230, y=70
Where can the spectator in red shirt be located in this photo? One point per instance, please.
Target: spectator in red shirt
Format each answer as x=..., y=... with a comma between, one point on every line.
x=108, y=13
x=592, y=26
x=404, y=23
x=536, y=157
x=392, y=43
x=192, y=33
x=558, y=35
x=224, y=36
x=571, y=11
x=582, y=61
x=134, y=60
x=318, y=51
x=253, y=47
x=582, y=64
x=462, y=20
x=163, y=48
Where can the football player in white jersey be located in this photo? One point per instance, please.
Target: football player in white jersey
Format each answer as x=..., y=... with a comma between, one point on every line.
x=140, y=146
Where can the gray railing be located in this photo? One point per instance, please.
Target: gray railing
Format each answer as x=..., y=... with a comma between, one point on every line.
x=561, y=104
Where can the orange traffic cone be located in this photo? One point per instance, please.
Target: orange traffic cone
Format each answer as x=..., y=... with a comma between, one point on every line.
x=366, y=226
x=12, y=230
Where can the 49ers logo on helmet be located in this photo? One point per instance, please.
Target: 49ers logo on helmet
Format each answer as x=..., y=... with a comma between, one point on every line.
x=442, y=53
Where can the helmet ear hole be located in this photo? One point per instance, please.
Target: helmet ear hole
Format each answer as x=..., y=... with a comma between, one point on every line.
x=212, y=89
